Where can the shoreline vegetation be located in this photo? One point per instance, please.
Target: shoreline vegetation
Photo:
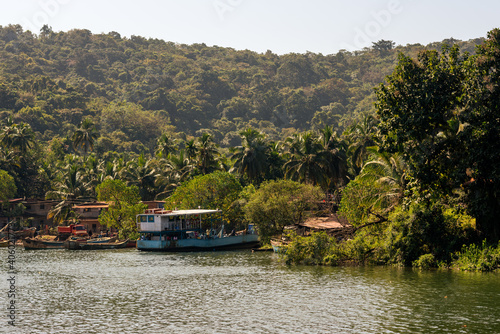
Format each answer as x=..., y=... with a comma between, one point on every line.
x=321, y=249
x=401, y=141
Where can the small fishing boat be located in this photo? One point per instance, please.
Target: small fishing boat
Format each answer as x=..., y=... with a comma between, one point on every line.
x=189, y=230
x=279, y=246
x=82, y=245
x=31, y=243
x=101, y=240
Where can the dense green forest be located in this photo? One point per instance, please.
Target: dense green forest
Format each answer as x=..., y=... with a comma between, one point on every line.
x=388, y=127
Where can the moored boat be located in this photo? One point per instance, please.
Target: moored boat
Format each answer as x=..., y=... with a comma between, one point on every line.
x=189, y=230
x=31, y=243
x=82, y=245
x=279, y=246
x=4, y=243
x=100, y=240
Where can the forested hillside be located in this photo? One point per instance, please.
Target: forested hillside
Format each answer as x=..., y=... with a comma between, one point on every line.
x=134, y=89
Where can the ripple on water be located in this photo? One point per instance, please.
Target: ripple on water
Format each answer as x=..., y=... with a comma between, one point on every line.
x=126, y=291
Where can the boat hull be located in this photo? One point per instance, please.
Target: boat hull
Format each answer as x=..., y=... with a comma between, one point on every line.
x=75, y=245
x=193, y=245
x=30, y=244
x=278, y=246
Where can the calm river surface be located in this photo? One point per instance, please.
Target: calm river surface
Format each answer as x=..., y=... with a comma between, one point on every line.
x=127, y=291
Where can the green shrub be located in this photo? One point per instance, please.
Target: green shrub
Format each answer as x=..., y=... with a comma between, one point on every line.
x=312, y=250
x=425, y=261
x=477, y=258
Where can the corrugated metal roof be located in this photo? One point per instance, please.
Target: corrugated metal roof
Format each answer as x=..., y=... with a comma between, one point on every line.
x=181, y=212
x=325, y=223
x=94, y=206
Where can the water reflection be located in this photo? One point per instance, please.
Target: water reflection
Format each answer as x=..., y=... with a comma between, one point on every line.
x=128, y=291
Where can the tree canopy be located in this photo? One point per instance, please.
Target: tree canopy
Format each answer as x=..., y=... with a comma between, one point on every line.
x=442, y=113
x=124, y=204
x=277, y=204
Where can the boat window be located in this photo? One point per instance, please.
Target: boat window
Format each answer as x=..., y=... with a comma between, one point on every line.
x=143, y=219
x=151, y=219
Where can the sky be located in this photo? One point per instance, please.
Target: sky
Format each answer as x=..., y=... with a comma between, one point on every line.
x=282, y=26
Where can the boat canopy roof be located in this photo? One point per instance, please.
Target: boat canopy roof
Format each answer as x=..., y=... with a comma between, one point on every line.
x=163, y=212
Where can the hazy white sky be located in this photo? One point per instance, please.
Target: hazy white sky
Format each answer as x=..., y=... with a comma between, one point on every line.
x=281, y=26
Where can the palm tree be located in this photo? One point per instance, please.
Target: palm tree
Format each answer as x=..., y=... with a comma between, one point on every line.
x=275, y=161
x=63, y=212
x=361, y=135
x=191, y=149
x=70, y=184
x=71, y=189
x=17, y=137
x=165, y=145
x=251, y=158
x=85, y=135
x=180, y=165
x=307, y=161
x=334, y=152
x=389, y=172
x=207, y=154
x=141, y=172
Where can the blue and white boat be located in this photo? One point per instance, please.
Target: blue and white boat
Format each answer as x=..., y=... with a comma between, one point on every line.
x=189, y=230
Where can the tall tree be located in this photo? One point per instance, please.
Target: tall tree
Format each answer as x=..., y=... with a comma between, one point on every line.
x=442, y=113
x=361, y=135
x=85, y=135
x=207, y=154
x=7, y=186
x=124, y=204
x=416, y=107
x=250, y=159
x=165, y=145
x=479, y=132
x=277, y=204
x=18, y=137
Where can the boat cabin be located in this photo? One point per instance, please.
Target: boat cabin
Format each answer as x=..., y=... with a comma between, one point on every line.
x=160, y=224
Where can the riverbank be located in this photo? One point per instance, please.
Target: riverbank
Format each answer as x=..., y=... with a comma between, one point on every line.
x=321, y=249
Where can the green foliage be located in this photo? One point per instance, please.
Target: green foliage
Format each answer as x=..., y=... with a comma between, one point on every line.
x=421, y=230
x=58, y=79
x=218, y=190
x=477, y=258
x=316, y=249
x=124, y=205
x=133, y=123
x=309, y=117
x=7, y=186
x=441, y=112
x=425, y=261
x=358, y=199
x=277, y=204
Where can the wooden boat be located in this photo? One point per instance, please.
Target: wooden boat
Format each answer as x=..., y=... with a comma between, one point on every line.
x=101, y=240
x=78, y=245
x=31, y=243
x=181, y=231
x=26, y=233
x=279, y=246
x=4, y=243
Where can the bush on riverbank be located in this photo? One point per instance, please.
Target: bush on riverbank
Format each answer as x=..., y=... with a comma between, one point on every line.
x=477, y=258
x=419, y=236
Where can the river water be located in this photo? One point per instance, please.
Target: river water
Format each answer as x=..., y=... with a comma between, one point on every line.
x=127, y=291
